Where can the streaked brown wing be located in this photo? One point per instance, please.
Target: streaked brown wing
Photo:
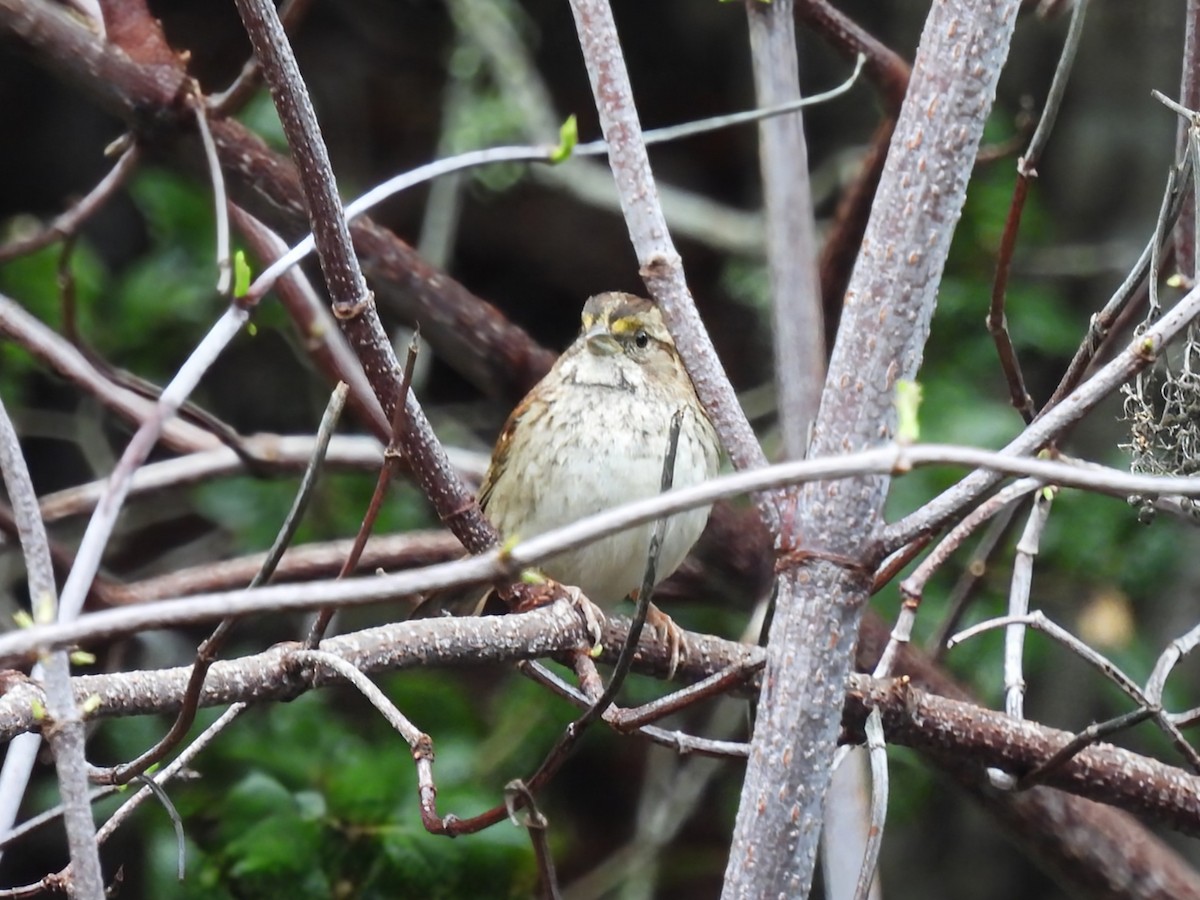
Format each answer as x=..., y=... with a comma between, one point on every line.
x=500, y=453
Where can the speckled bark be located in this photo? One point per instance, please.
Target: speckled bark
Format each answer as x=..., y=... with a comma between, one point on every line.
x=885, y=324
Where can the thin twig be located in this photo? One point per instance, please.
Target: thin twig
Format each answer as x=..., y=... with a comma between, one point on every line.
x=1018, y=603
x=969, y=581
x=70, y=221
x=1176, y=650
x=164, y=801
x=55, y=351
x=896, y=562
x=1104, y=666
x=224, y=261
x=523, y=153
x=100, y=527
x=912, y=589
x=103, y=592
x=175, y=768
x=877, y=749
x=46, y=816
x=713, y=686
x=884, y=68
x=518, y=798
x=63, y=728
x=1101, y=325
x=1086, y=738
x=207, y=653
x=377, y=698
x=997, y=322
x=419, y=742
x=1186, y=234
x=391, y=458
x=234, y=97
x=123, y=812
x=507, y=563
x=673, y=740
x=660, y=265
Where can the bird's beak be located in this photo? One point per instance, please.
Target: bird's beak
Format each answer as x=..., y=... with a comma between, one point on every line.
x=600, y=340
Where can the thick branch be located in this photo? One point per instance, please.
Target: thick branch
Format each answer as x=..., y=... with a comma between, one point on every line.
x=952, y=730
x=353, y=304
x=884, y=328
x=949, y=731
x=1095, y=850
x=447, y=641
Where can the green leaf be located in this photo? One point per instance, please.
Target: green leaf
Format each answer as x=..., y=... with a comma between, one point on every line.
x=241, y=274
x=568, y=137
x=82, y=658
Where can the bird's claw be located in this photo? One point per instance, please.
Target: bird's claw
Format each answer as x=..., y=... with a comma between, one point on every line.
x=669, y=632
x=592, y=616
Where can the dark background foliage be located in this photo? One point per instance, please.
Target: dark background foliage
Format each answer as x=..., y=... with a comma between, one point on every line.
x=316, y=798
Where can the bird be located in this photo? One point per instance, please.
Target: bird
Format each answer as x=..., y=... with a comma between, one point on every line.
x=593, y=434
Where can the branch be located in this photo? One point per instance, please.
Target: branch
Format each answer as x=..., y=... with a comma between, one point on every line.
x=104, y=519
x=273, y=453
x=447, y=641
x=353, y=304
x=1138, y=354
x=305, y=562
x=885, y=325
x=316, y=325
x=997, y=320
x=890, y=73
x=63, y=722
x=799, y=331
x=1189, y=96
x=68, y=223
x=56, y=352
x=944, y=728
x=495, y=355
x=951, y=731
x=661, y=268
x=506, y=563
x=1100, y=852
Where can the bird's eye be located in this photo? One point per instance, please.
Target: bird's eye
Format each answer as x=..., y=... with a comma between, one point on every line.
x=642, y=340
